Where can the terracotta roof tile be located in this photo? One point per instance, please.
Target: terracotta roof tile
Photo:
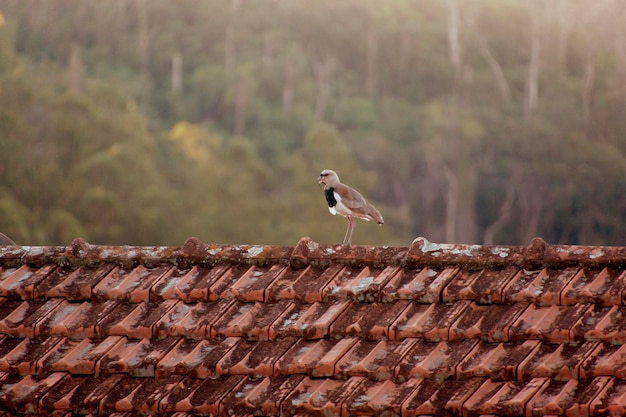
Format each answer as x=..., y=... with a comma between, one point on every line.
x=197, y=359
x=373, y=359
x=20, y=283
x=430, y=321
x=440, y=398
x=377, y=398
x=432, y=360
x=542, y=287
x=432, y=329
x=502, y=397
x=483, y=286
x=320, y=396
x=317, y=358
x=422, y=285
x=253, y=358
x=367, y=320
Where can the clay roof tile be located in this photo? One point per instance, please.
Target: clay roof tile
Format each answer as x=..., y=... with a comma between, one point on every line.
x=314, y=329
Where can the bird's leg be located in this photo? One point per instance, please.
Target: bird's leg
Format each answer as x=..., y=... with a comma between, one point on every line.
x=347, y=240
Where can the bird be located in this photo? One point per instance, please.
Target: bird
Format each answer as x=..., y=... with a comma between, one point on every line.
x=348, y=202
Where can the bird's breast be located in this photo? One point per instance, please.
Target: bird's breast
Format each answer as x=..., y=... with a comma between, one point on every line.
x=331, y=196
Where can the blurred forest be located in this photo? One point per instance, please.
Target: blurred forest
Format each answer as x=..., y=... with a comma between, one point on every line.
x=474, y=121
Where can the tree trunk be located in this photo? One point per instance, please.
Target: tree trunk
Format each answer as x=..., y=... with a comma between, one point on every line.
x=372, y=59
x=230, y=35
x=504, y=216
x=454, y=41
x=532, y=82
x=288, y=86
x=241, y=107
x=323, y=69
x=177, y=72
x=144, y=48
x=452, y=204
x=587, y=91
x=75, y=69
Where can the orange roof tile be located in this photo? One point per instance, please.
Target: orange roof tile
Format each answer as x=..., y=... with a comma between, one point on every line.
x=431, y=329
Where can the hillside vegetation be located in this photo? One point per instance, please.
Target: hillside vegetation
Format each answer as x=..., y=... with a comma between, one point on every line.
x=474, y=121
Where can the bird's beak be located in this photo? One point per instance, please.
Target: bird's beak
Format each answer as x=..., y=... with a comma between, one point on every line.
x=319, y=179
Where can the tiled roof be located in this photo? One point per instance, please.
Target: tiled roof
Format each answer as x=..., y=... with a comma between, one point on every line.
x=430, y=329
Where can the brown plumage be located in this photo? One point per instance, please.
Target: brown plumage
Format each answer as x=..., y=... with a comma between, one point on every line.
x=348, y=202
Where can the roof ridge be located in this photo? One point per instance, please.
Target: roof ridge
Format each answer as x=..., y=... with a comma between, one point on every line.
x=420, y=253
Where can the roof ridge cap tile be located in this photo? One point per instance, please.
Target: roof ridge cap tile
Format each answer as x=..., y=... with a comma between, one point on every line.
x=309, y=252
x=537, y=254
x=421, y=252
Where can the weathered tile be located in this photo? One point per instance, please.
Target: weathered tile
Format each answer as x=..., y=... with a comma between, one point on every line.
x=440, y=398
x=260, y=396
x=75, y=357
x=200, y=361
x=611, y=401
x=571, y=398
x=251, y=286
x=136, y=322
x=221, y=288
x=552, y=324
x=605, y=323
x=367, y=320
x=502, y=398
x=189, y=285
x=320, y=397
x=430, y=321
x=145, y=397
x=433, y=360
x=24, y=394
x=558, y=361
x=366, y=286
x=599, y=286
x=379, y=398
x=20, y=283
x=422, y=285
x=63, y=395
x=25, y=315
x=542, y=287
x=95, y=391
x=373, y=359
x=206, y=398
x=134, y=357
x=304, y=285
x=484, y=286
x=317, y=358
x=130, y=285
x=605, y=360
x=256, y=359
x=191, y=320
x=361, y=284
x=7, y=344
x=23, y=358
x=249, y=320
x=177, y=399
x=487, y=322
x=75, y=320
x=118, y=392
x=74, y=285
x=311, y=321
x=498, y=361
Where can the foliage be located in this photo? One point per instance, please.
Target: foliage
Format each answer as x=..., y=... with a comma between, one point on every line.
x=476, y=121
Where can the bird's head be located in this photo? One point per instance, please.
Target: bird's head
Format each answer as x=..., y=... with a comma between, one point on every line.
x=328, y=177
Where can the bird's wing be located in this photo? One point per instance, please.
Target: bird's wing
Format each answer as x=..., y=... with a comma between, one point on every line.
x=355, y=202
x=350, y=197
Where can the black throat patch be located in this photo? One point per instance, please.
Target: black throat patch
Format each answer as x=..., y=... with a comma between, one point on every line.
x=330, y=197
